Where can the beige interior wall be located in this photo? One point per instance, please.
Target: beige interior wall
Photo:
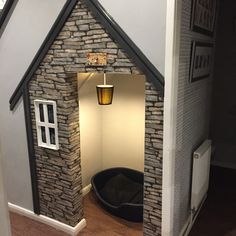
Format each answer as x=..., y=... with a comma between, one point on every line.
x=112, y=136
x=90, y=128
x=124, y=124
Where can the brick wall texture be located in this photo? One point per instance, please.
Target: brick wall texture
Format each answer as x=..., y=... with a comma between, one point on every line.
x=59, y=172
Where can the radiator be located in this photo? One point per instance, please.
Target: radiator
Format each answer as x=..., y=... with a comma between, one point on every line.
x=200, y=174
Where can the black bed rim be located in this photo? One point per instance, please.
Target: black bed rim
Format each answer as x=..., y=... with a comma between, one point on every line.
x=107, y=203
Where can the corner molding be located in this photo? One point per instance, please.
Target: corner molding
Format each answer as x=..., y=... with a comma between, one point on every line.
x=73, y=231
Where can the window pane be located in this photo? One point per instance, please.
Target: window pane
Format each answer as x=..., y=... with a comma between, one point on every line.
x=43, y=134
x=52, y=136
x=50, y=114
x=41, y=112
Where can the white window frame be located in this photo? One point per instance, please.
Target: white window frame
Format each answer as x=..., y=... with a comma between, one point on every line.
x=46, y=124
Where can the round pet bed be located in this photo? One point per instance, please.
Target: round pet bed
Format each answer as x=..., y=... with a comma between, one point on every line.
x=120, y=191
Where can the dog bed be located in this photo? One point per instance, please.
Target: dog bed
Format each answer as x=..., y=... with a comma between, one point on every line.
x=120, y=191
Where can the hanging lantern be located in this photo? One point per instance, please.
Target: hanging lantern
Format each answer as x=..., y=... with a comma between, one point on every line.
x=105, y=93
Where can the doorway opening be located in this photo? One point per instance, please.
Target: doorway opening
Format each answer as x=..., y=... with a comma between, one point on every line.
x=127, y=133
x=111, y=137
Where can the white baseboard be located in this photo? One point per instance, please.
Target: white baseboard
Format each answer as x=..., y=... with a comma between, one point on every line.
x=86, y=190
x=48, y=221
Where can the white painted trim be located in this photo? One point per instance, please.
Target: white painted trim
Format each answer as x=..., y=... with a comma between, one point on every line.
x=46, y=124
x=173, y=20
x=86, y=190
x=48, y=221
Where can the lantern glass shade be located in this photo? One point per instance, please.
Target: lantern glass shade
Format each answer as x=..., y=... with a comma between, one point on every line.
x=105, y=94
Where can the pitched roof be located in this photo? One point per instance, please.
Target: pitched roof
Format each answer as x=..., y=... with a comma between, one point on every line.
x=114, y=30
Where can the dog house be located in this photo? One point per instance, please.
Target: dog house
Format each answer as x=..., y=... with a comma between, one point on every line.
x=50, y=93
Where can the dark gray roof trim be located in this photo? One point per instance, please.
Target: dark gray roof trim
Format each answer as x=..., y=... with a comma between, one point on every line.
x=5, y=11
x=114, y=30
x=127, y=44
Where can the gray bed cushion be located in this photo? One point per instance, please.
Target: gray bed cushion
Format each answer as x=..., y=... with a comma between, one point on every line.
x=120, y=189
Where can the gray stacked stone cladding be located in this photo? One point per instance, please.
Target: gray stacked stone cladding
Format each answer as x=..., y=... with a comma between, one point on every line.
x=59, y=172
x=153, y=161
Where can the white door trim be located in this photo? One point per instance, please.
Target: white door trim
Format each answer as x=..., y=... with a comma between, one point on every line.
x=173, y=20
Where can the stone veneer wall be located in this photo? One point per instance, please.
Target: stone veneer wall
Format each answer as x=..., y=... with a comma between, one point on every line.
x=59, y=172
x=153, y=161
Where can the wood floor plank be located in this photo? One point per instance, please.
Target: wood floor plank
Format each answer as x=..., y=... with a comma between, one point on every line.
x=99, y=223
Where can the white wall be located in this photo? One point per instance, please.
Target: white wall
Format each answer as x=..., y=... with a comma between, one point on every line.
x=112, y=136
x=28, y=26
x=145, y=24
x=4, y=214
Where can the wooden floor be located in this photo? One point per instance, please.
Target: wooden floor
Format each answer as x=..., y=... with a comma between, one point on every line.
x=217, y=217
x=218, y=214
x=23, y=226
x=99, y=223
